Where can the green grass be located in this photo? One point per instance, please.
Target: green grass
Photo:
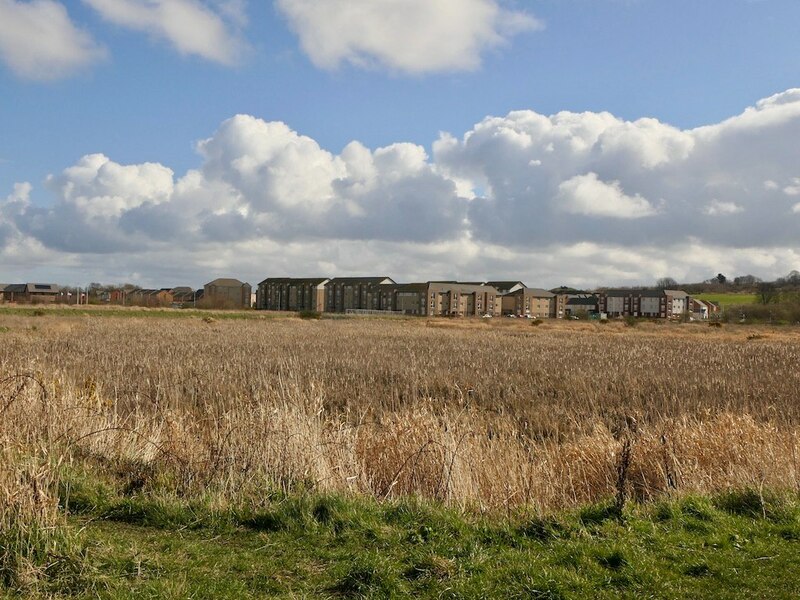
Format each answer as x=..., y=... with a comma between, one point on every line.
x=736, y=545
x=725, y=300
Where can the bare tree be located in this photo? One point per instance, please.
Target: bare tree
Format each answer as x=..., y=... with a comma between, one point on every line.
x=666, y=283
x=767, y=293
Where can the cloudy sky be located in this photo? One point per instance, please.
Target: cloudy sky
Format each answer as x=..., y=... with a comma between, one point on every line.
x=581, y=142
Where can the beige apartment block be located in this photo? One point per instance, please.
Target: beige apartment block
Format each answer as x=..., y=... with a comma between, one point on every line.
x=295, y=294
x=453, y=299
x=533, y=302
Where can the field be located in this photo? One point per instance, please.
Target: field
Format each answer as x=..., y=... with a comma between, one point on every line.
x=435, y=444
x=725, y=300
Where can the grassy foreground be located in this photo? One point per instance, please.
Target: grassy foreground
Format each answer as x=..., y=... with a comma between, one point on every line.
x=327, y=546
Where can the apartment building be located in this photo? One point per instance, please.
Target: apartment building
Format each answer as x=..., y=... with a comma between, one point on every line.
x=525, y=301
x=354, y=293
x=454, y=299
x=287, y=293
x=227, y=293
x=633, y=303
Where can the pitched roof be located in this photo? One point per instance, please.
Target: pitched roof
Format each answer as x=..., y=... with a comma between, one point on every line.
x=676, y=293
x=539, y=293
x=16, y=288
x=506, y=286
x=296, y=280
x=378, y=280
x=42, y=288
x=227, y=282
x=629, y=292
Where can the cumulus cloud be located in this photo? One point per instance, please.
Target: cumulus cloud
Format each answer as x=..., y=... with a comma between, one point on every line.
x=412, y=36
x=192, y=27
x=718, y=207
x=587, y=195
x=574, y=198
x=39, y=41
x=794, y=188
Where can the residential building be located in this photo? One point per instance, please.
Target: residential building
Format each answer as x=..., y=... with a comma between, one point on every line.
x=524, y=301
x=677, y=303
x=581, y=304
x=354, y=293
x=287, y=293
x=227, y=293
x=407, y=298
x=633, y=303
x=454, y=299
x=149, y=297
x=34, y=293
x=506, y=287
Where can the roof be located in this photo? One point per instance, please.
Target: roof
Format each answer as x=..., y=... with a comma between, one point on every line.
x=582, y=301
x=464, y=287
x=539, y=293
x=406, y=287
x=506, y=286
x=42, y=288
x=182, y=289
x=629, y=292
x=296, y=280
x=377, y=280
x=676, y=293
x=226, y=282
x=16, y=288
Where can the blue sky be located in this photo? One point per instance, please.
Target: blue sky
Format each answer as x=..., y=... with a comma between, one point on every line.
x=137, y=95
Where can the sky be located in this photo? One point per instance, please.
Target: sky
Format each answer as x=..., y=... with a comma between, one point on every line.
x=575, y=142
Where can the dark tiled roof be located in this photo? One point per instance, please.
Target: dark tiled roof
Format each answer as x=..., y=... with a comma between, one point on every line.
x=295, y=280
x=361, y=280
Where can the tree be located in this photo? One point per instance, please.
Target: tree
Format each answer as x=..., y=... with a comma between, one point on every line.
x=666, y=283
x=767, y=293
x=746, y=280
x=721, y=279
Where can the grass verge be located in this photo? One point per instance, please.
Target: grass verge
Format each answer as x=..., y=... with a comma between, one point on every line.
x=740, y=544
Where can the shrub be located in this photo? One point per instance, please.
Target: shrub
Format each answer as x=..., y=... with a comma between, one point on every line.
x=309, y=314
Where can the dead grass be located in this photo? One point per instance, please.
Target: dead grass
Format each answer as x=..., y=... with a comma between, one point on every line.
x=488, y=415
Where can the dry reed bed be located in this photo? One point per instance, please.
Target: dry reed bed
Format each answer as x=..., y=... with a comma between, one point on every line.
x=487, y=415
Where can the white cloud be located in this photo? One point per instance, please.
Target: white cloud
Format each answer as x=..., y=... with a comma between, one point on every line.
x=412, y=36
x=718, y=207
x=193, y=27
x=575, y=198
x=587, y=195
x=39, y=41
x=794, y=188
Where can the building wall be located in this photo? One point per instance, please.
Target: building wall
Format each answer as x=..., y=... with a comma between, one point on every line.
x=235, y=296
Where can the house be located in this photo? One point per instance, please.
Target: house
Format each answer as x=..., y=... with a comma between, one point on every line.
x=149, y=297
x=354, y=293
x=3, y=286
x=34, y=293
x=633, y=303
x=182, y=296
x=288, y=293
x=524, y=301
x=227, y=293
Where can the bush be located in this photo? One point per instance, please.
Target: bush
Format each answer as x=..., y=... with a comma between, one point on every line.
x=631, y=321
x=309, y=314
